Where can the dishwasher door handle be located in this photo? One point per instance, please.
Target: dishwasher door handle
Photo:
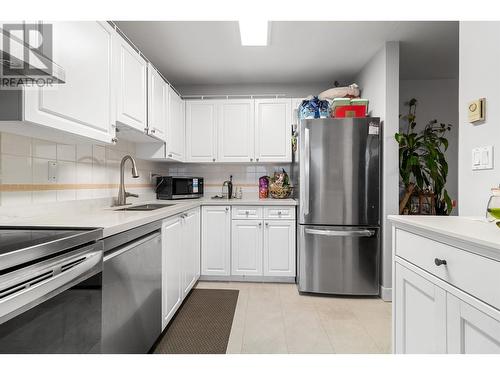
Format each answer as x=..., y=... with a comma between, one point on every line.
x=341, y=233
x=123, y=249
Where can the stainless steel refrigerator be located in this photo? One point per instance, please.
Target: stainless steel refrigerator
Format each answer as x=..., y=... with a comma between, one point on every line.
x=337, y=175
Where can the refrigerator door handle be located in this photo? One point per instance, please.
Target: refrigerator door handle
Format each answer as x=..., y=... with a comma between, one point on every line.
x=307, y=159
x=341, y=233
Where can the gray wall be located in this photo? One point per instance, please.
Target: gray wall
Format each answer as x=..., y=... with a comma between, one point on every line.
x=479, y=77
x=437, y=99
x=379, y=82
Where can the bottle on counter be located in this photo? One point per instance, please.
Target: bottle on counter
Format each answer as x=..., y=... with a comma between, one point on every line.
x=230, y=187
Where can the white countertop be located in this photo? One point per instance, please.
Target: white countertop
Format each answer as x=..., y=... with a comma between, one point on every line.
x=113, y=221
x=470, y=233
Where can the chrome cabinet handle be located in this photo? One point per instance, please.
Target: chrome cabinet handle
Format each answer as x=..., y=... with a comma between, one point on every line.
x=260, y=224
x=169, y=155
x=246, y=212
x=341, y=233
x=251, y=159
x=438, y=262
x=257, y=159
x=213, y=159
x=227, y=209
x=267, y=224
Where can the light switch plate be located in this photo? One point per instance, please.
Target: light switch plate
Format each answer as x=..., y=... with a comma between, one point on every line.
x=482, y=158
x=476, y=110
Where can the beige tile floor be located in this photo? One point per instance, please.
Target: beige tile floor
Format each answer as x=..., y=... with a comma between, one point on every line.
x=274, y=318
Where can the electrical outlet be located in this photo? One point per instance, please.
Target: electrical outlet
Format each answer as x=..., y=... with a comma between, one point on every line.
x=52, y=176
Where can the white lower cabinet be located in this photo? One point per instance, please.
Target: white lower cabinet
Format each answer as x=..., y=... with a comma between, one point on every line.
x=180, y=260
x=190, y=250
x=471, y=330
x=171, y=267
x=240, y=241
x=279, y=248
x=432, y=314
x=216, y=241
x=246, y=245
x=420, y=314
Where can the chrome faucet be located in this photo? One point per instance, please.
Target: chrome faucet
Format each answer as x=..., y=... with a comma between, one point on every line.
x=122, y=194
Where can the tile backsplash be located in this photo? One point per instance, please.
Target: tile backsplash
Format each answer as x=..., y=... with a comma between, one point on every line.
x=245, y=176
x=91, y=171
x=84, y=171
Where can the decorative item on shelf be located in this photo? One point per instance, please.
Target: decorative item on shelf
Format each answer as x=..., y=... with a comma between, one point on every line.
x=313, y=107
x=422, y=162
x=493, y=206
x=264, y=187
x=423, y=203
x=279, y=186
x=351, y=91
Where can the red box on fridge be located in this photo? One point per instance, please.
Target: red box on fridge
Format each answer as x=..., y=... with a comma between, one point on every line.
x=350, y=111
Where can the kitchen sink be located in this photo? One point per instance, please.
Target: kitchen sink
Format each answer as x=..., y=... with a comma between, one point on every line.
x=146, y=207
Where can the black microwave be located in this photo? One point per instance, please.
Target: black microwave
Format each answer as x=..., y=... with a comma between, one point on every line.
x=172, y=187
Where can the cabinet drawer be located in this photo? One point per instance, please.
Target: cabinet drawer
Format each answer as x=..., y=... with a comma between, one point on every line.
x=247, y=212
x=279, y=212
x=474, y=274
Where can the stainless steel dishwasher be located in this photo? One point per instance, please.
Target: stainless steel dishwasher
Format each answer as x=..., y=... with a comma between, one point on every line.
x=131, y=310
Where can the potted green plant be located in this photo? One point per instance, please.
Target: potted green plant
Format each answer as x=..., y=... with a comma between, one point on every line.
x=422, y=161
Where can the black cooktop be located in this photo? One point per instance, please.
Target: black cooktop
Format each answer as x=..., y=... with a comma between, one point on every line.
x=22, y=244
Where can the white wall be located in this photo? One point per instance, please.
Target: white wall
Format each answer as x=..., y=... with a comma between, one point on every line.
x=289, y=90
x=437, y=99
x=379, y=82
x=479, y=76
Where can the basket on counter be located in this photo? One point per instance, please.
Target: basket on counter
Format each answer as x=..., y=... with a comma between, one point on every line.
x=280, y=192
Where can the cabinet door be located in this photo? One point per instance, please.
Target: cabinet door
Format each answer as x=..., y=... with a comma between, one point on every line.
x=175, y=127
x=246, y=247
x=131, y=87
x=472, y=330
x=420, y=314
x=157, y=104
x=236, y=131
x=171, y=267
x=201, y=131
x=190, y=250
x=215, y=240
x=84, y=105
x=279, y=248
x=273, y=130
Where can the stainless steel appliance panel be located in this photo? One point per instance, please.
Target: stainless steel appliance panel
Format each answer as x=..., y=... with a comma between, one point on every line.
x=132, y=296
x=339, y=171
x=339, y=260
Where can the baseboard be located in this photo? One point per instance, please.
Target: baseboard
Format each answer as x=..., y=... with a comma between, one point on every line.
x=265, y=279
x=386, y=294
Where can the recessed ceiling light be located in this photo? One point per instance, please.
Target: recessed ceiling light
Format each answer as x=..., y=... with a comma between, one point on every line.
x=254, y=32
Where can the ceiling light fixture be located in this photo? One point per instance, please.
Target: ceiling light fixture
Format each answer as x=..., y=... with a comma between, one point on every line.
x=254, y=32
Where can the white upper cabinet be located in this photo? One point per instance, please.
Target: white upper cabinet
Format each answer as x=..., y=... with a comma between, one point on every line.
x=157, y=104
x=273, y=130
x=83, y=105
x=131, y=87
x=175, y=127
x=236, y=131
x=201, y=131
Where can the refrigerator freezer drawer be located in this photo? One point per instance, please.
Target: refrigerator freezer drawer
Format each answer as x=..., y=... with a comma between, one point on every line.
x=339, y=260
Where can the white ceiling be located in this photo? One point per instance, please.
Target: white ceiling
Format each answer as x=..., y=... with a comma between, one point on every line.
x=210, y=53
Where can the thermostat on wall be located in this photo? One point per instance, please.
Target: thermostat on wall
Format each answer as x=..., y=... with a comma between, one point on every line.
x=476, y=110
